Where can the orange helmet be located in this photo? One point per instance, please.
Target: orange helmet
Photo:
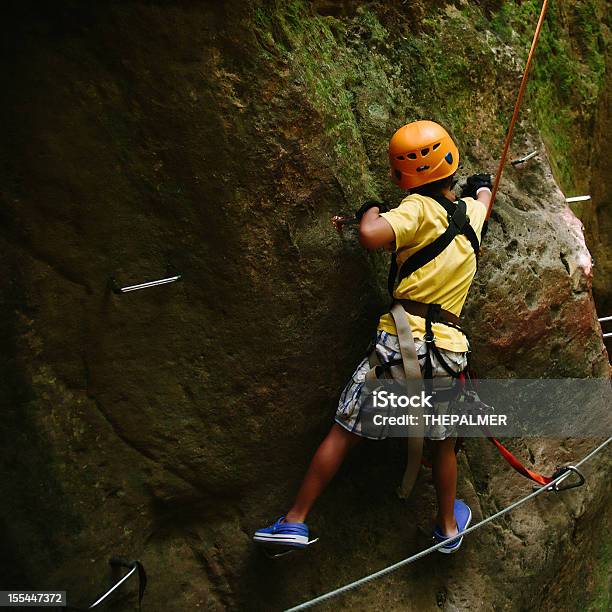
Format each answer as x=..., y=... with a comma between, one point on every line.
x=421, y=152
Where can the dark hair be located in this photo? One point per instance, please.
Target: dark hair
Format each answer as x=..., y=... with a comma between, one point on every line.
x=435, y=187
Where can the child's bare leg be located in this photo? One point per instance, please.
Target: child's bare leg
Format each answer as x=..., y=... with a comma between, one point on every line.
x=444, y=464
x=323, y=467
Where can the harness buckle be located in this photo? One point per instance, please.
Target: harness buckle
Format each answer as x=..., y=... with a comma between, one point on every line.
x=429, y=337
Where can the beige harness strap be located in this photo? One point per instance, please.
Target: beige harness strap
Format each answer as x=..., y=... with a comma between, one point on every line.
x=411, y=373
x=414, y=385
x=412, y=369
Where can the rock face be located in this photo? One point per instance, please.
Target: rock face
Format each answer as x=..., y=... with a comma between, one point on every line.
x=597, y=216
x=168, y=424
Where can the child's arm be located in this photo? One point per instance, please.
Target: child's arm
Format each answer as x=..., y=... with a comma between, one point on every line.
x=484, y=195
x=375, y=231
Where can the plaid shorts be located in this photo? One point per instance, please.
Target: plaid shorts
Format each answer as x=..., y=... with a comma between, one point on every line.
x=387, y=349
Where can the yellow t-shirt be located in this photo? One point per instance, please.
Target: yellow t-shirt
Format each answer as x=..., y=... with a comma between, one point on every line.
x=445, y=280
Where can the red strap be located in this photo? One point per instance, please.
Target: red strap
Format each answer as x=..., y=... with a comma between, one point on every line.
x=505, y=453
x=511, y=459
x=517, y=465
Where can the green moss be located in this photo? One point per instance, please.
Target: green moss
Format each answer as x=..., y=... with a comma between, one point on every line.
x=364, y=81
x=356, y=72
x=601, y=586
x=323, y=69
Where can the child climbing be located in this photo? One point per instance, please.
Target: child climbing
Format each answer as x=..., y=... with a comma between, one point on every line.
x=435, y=242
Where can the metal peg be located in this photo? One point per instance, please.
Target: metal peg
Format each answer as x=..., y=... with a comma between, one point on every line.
x=162, y=281
x=133, y=567
x=522, y=160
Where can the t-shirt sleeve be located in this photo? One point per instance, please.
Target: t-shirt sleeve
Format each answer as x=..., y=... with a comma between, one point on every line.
x=405, y=220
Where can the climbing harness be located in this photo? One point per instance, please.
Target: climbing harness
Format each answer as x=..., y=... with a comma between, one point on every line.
x=517, y=106
x=458, y=224
x=552, y=486
x=134, y=567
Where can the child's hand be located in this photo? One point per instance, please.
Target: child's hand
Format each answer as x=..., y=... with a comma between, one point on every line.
x=474, y=183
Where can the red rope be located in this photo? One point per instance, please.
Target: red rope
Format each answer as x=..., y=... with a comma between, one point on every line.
x=517, y=106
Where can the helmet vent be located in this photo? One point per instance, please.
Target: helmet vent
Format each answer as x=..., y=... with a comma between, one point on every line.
x=421, y=168
x=449, y=157
x=411, y=156
x=400, y=157
x=424, y=152
x=436, y=146
x=398, y=175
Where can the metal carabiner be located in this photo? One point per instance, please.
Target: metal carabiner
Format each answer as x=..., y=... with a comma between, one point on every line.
x=567, y=470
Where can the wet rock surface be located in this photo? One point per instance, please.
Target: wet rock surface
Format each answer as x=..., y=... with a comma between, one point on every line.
x=166, y=425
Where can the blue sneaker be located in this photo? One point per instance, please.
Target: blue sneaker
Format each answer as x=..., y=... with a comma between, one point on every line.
x=294, y=535
x=463, y=516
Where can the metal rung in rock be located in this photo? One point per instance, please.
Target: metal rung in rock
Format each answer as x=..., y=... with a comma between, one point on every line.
x=162, y=281
x=522, y=160
x=134, y=567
